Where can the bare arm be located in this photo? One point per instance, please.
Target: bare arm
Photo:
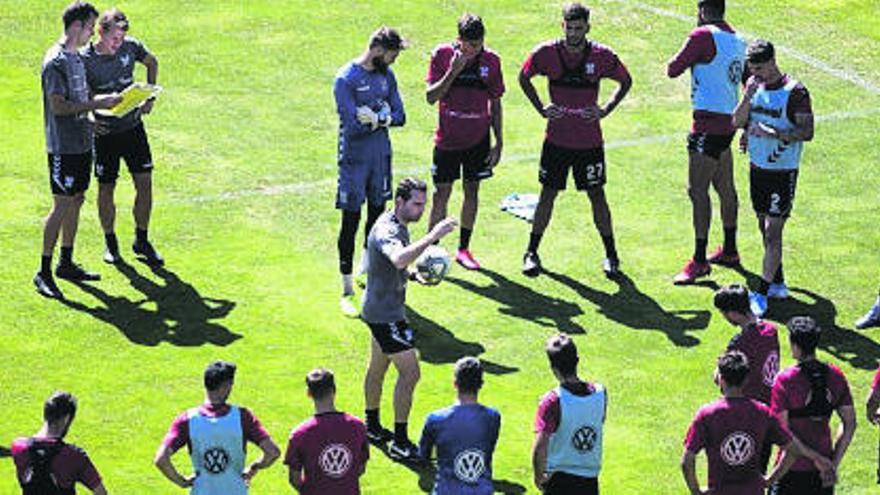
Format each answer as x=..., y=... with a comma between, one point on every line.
x=790, y=454
x=497, y=129
x=438, y=90
x=295, y=477
x=741, y=113
x=539, y=459
x=525, y=82
x=152, y=65
x=270, y=455
x=872, y=406
x=61, y=106
x=844, y=433
x=163, y=463
x=803, y=129
x=624, y=86
x=403, y=257
x=822, y=463
x=689, y=471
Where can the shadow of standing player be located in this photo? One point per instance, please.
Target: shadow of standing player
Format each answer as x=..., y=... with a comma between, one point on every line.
x=633, y=308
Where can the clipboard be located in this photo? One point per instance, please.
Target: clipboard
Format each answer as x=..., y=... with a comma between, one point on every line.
x=132, y=97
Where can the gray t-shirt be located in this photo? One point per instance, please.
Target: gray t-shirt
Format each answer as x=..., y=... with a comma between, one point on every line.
x=112, y=74
x=64, y=74
x=386, y=285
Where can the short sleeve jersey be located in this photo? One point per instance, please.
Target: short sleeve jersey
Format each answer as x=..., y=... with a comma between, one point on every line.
x=70, y=466
x=331, y=450
x=386, y=284
x=574, y=85
x=733, y=432
x=790, y=392
x=178, y=433
x=63, y=73
x=464, y=109
x=112, y=74
x=464, y=436
x=760, y=344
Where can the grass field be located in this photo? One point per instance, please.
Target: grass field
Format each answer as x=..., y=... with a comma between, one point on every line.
x=244, y=141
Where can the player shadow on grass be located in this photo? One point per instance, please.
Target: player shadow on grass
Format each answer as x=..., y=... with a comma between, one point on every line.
x=437, y=345
x=182, y=316
x=524, y=302
x=633, y=308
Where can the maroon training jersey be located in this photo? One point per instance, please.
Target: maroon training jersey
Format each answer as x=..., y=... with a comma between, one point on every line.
x=178, y=434
x=70, y=465
x=464, y=109
x=733, y=432
x=331, y=449
x=760, y=344
x=791, y=391
x=574, y=85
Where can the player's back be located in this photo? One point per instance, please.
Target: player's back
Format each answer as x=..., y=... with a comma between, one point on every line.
x=465, y=437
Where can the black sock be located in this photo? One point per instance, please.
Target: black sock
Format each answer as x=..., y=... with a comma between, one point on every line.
x=464, y=241
x=700, y=250
x=534, y=242
x=779, y=278
x=610, y=249
x=66, y=255
x=373, y=419
x=46, y=265
x=400, y=432
x=373, y=213
x=729, y=240
x=140, y=235
x=111, y=242
x=763, y=287
x=345, y=241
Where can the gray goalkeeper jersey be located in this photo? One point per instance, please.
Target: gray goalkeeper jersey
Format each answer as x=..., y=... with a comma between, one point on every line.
x=386, y=285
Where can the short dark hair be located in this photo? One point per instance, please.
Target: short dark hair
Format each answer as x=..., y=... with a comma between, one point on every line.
x=78, y=11
x=320, y=383
x=406, y=187
x=713, y=7
x=388, y=38
x=734, y=297
x=563, y=354
x=575, y=11
x=469, y=374
x=470, y=27
x=733, y=366
x=112, y=18
x=59, y=405
x=218, y=373
x=760, y=51
x=805, y=332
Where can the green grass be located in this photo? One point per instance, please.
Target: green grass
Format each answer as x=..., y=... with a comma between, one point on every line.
x=244, y=139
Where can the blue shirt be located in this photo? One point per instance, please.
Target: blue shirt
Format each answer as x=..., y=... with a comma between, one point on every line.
x=355, y=87
x=465, y=437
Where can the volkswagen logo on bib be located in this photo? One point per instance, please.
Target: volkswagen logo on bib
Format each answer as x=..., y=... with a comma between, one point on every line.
x=215, y=460
x=470, y=465
x=335, y=460
x=737, y=448
x=584, y=439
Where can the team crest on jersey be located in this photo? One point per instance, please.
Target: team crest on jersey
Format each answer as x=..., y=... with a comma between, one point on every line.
x=770, y=369
x=738, y=448
x=469, y=465
x=124, y=60
x=584, y=439
x=215, y=460
x=335, y=460
x=484, y=71
x=590, y=68
x=384, y=85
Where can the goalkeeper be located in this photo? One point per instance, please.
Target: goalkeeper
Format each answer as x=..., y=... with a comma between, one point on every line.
x=368, y=104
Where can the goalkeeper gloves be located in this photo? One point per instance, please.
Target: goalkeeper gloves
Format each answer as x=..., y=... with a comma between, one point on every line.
x=367, y=116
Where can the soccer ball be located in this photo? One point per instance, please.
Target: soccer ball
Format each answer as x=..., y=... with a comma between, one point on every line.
x=433, y=264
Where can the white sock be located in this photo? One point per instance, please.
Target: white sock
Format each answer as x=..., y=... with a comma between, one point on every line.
x=364, y=263
x=347, y=285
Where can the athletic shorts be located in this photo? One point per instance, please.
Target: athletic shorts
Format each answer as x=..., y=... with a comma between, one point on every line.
x=450, y=165
x=773, y=191
x=587, y=166
x=711, y=145
x=131, y=145
x=69, y=175
x=363, y=178
x=393, y=337
x=800, y=483
x=569, y=484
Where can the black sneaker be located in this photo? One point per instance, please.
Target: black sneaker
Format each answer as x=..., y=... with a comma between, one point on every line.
x=531, y=264
x=146, y=250
x=611, y=267
x=75, y=273
x=112, y=256
x=403, y=450
x=46, y=287
x=379, y=436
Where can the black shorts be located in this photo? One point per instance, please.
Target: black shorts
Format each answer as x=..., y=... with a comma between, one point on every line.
x=587, y=167
x=69, y=175
x=773, y=191
x=450, y=165
x=393, y=337
x=568, y=484
x=711, y=145
x=132, y=145
x=800, y=483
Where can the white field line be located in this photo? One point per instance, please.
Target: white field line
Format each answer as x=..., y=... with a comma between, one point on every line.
x=791, y=52
x=306, y=186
